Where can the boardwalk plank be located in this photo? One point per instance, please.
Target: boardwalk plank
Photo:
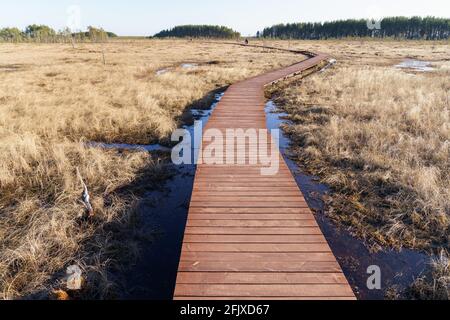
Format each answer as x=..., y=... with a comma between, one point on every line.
x=252, y=223
x=253, y=230
x=266, y=278
x=244, y=216
x=259, y=266
x=195, y=238
x=258, y=256
x=294, y=290
x=251, y=247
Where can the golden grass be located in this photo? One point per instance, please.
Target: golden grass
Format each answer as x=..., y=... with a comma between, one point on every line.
x=379, y=136
x=70, y=93
x=53, y=99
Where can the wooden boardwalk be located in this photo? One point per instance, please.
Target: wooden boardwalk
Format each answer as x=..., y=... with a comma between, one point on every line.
x=253, y=237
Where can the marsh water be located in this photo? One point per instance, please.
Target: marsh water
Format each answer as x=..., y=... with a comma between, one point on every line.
x=165, y=213
x=415, y=65
x=183, y=66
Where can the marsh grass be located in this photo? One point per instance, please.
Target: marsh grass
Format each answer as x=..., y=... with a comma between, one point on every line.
x=43, y=227
x=53, y=100
x=379, y=137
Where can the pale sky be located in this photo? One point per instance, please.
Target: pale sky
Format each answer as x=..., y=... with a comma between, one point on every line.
x=143, y=18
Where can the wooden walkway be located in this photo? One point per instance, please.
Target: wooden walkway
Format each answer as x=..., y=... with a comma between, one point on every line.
x=253, y=237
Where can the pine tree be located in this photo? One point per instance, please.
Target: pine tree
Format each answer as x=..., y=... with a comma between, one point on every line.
x=198, y=31
x=429, y=28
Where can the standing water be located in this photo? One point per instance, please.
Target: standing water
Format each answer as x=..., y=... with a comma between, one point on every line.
x=415, y=65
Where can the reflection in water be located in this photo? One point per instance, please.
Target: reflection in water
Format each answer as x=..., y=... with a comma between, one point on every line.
x=165, y=213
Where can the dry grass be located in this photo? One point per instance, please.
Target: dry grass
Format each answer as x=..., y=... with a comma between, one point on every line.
x=52, y=100
x=436, y=285
x=379, y=136
x=70, y=93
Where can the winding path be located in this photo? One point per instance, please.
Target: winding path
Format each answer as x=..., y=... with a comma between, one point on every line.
x=253, y=237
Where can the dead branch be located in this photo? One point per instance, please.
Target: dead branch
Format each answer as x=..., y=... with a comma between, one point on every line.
x=85, y=197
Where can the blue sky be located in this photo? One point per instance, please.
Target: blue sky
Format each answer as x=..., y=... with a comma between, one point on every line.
x=140, y=17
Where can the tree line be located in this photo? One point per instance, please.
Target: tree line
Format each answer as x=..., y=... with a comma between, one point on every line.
x=43, y=33
x=198, y=31
x=414, y=28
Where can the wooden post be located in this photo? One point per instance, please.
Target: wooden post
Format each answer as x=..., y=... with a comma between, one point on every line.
x=103, y=56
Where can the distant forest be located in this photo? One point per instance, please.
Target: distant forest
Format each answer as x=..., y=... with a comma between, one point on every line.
x=199, y=31
x=429, y=28
x=43, y=33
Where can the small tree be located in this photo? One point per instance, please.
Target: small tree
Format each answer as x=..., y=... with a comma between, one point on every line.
x=67, y=36
x=97, y=34
x=199, y=31
x=11, y=35
x=40, y=32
